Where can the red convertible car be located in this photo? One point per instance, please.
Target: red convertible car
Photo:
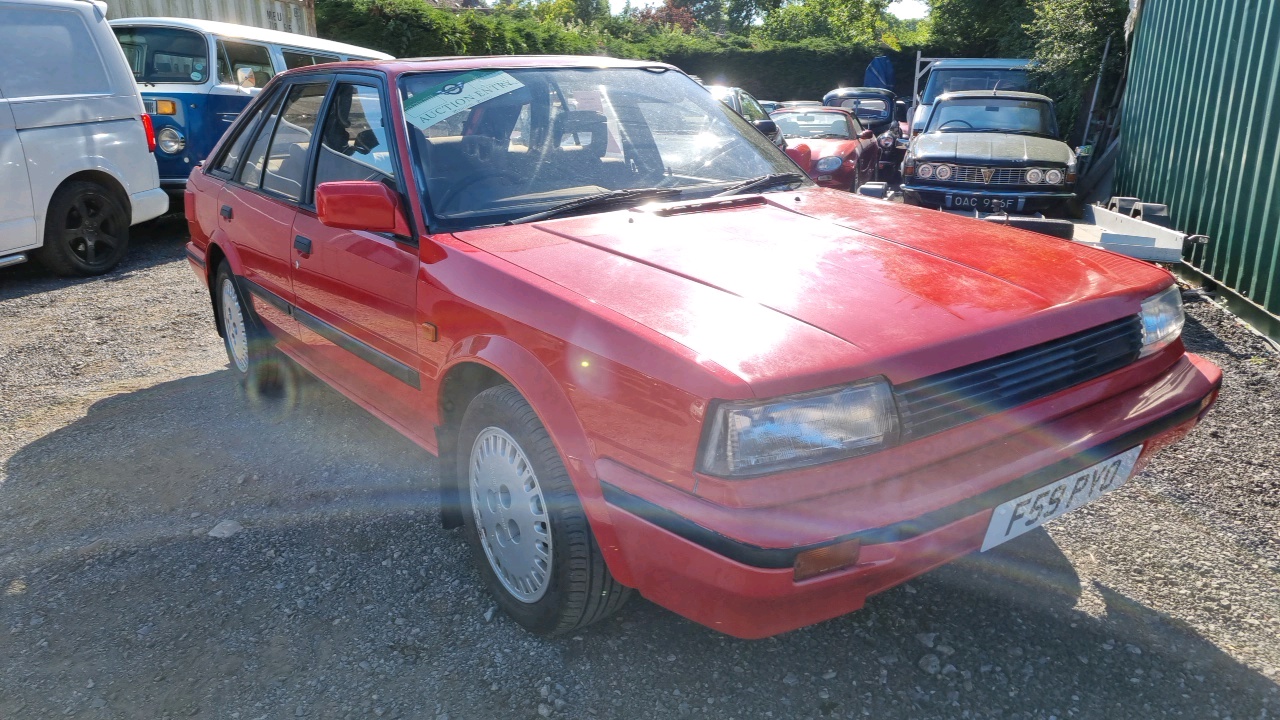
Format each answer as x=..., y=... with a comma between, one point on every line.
x=651, y=355
x=844, y=154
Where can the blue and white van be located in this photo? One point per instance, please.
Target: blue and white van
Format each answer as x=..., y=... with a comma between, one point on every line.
x=197, y=75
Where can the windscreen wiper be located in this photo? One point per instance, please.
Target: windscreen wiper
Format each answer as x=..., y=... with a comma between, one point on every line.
x=762, y=182
x=613, y=197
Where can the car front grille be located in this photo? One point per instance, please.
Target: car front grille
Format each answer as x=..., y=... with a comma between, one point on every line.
x=999, y=176
x=943, y=401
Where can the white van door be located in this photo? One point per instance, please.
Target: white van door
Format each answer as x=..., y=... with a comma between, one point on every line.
x=17, y=216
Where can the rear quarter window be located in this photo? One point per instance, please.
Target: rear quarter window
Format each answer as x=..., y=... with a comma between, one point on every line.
x=49, y=51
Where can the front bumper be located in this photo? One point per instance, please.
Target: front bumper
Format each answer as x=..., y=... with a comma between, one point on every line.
x=691, y=565
x=1018, y=201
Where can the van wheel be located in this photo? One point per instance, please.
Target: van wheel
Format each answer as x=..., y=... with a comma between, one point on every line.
x=528, y=532
x=86, y=231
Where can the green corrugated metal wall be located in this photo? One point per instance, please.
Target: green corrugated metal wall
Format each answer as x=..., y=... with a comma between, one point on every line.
x=1201, y=133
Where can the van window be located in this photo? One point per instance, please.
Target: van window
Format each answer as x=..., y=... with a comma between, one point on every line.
x=165, y=55
x=354, y=142
x=57, y=48
x=244, y=64
x=945, y=80
x=287, y=156
x=294, y=59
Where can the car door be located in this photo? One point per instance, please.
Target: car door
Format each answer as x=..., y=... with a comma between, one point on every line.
x=355, y=289
x=17, y=216
x=258, y=205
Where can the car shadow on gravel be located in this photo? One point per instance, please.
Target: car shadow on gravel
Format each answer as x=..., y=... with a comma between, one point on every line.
x=343, y=596
x=152, y=243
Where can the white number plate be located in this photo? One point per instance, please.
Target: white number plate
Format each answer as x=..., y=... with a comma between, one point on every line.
x=1030, y=511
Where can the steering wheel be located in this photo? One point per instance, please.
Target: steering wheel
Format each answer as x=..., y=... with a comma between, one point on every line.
x=966, y=124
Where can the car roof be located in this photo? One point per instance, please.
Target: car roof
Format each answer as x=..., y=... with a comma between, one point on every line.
x=245, y=32
x=996, y=94
x=809, y=109
x=984, y=63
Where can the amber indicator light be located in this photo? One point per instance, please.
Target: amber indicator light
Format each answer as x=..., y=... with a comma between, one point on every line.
x=429, y=332
x=811, y=563
x=166, y=107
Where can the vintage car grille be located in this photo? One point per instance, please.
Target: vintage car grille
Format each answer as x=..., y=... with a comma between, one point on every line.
x=955, y=397
x=999, y=176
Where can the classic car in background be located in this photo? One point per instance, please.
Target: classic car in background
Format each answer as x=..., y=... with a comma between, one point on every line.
x=950, y=75
x=885, y=115
x=844, y=153
x=991, y=152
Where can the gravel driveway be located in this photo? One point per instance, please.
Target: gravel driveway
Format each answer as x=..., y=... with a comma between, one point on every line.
x=123, y=442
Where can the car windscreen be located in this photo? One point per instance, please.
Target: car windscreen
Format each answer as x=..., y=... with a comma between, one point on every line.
x=494, y=145
x=870, y=108
x=946, y=80
x=815, y=125
x=165, y=55
x=1030, y=117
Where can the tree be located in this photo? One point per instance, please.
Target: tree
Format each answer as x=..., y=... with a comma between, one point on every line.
x=981, y=28
x=1069, y=37
x=852, y=21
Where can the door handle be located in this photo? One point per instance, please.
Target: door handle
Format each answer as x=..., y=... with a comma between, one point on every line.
x=226, y=211
x=302, y=244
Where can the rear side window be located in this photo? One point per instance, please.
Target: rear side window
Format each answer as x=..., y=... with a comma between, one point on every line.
x=49, y=51
x=286, y=161
x=256, y=160
x=295, y=59
x=244, y=64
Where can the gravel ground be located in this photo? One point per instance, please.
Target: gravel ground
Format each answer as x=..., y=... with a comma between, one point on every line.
x=123, y=442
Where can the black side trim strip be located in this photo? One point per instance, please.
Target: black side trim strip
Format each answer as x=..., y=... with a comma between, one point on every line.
x=774, y=558
x=360, y=349
x=369, y=354
x=191, y=255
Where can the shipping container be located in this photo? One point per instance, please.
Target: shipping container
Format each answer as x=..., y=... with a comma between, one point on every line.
x=294, y=16
x=1201, y=133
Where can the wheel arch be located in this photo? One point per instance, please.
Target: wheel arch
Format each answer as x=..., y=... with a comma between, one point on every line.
x=216, y=252
x=97, y=177
x=481, y=362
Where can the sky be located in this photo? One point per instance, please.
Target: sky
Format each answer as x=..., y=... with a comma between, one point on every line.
x=905, y=9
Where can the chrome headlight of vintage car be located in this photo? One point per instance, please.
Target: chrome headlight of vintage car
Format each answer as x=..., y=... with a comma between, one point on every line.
x=744, y=438
x=887, y=141
x=1162, y=320
x=943, y=172
x=1035, y=176
x=170, y=140
x=924, y=172
x=1054, y=177
x=829, y=164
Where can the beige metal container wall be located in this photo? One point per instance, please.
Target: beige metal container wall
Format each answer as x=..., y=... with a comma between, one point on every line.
x=295, y=16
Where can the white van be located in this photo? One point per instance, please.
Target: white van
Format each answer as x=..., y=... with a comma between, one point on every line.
x=75, y=143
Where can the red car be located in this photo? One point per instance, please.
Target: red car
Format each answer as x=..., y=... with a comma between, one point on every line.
x=651, y=355
x=843, y=153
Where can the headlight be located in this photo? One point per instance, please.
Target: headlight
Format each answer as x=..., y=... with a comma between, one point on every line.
x=753, y=437
x=1162, y=320
x=830, y=164
x=1053, y=177
x=1035, y=175
x=943, y=172
x=886, y=141
x=170, y=140
x=924, y=171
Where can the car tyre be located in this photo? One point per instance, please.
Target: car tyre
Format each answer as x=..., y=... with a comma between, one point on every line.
x=260, y=369
x=529, y=533
x=86, y=231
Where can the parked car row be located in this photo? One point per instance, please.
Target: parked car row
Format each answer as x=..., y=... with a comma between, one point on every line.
x=84, y=154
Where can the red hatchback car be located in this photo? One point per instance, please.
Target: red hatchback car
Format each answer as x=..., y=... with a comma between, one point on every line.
x=843, y=153
x=651, y=355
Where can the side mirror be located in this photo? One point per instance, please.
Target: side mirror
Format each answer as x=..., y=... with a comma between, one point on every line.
x=360, y=205
x=866, y=135
x=802, y=155
x=768, y=127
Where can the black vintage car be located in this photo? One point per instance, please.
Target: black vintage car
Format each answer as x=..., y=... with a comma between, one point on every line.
x=991, y=151
x=880, y=111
